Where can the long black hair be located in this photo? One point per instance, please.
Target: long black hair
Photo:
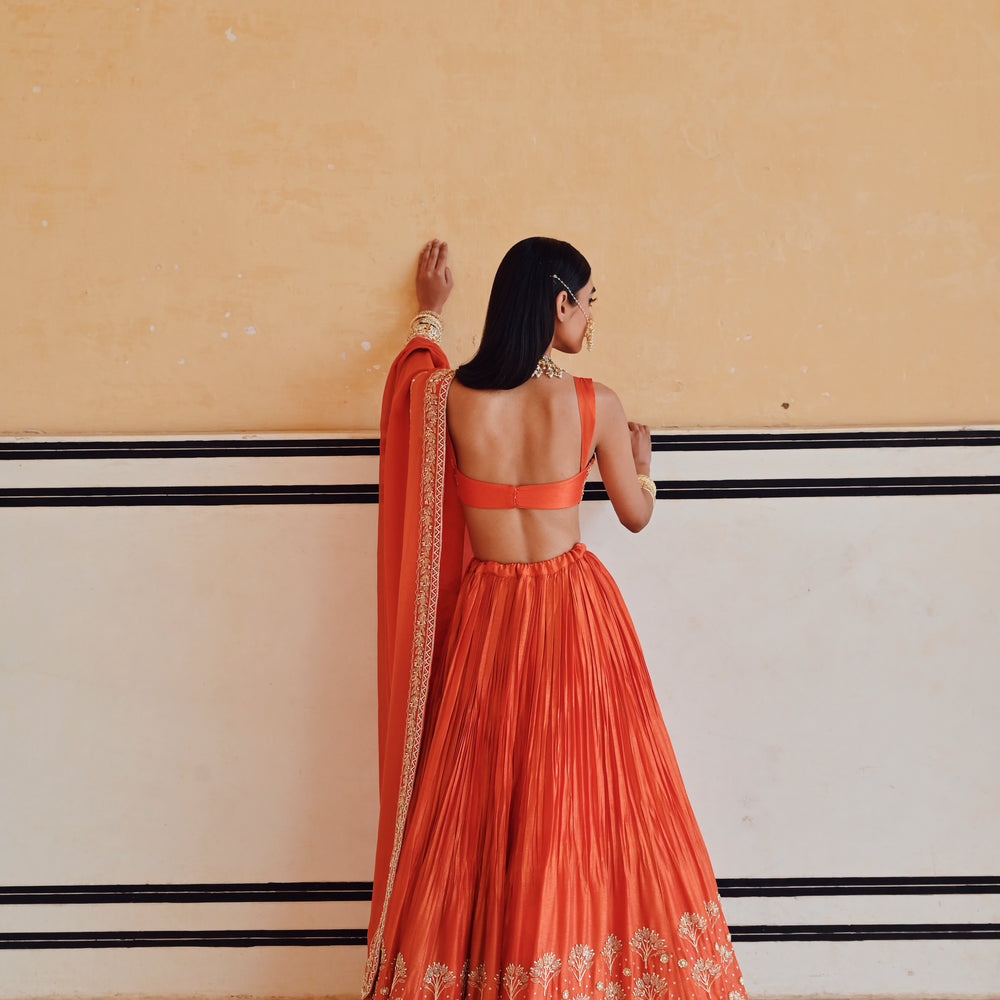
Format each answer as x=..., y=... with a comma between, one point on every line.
x=521, y=315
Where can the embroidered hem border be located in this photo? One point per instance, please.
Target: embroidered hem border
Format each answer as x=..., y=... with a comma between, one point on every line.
x=651, y=967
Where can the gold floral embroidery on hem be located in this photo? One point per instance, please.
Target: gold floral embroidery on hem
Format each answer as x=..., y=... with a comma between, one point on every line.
x=545, y=970
x=515, y=978
x=437, y=977
x=611, y=950
x=581, y=959
x=649, y=986
x=646, y=941
x=707, y=962
x=478, y=979
x=648, y=970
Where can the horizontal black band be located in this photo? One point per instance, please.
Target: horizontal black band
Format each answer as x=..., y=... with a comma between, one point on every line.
x=367, y=493
x=27, y=450
x=195, y=892
x=189, y=496
x=293, y=892
x=785, y=933
x=922, y=885
x=865, y=932
x=878, y=486
x=22, y=451
x=181, y=939
x=796, y=440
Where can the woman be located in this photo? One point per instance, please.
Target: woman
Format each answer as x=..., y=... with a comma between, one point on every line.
x=535, y=839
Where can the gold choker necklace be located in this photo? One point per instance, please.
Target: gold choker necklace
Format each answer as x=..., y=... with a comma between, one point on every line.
x=547, y=367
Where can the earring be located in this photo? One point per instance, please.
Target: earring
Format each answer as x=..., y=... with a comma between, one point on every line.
x=590, y=319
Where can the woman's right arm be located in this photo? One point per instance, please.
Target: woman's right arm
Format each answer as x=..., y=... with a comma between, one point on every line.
x=624, y=450
x=422, y=350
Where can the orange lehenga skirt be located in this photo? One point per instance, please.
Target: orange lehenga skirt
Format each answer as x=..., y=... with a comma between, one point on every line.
x=550, y=849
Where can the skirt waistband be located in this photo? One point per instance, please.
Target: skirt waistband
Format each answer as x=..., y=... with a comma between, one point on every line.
x=544, y=568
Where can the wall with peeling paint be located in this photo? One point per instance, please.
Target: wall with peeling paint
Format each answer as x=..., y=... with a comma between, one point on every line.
x=211, y=213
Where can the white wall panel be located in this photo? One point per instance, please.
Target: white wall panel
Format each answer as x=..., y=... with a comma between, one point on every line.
x=187, y=696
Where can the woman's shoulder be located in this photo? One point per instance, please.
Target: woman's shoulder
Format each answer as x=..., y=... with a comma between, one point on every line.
x=606, y=395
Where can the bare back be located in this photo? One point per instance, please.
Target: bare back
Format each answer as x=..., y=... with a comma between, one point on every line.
x=529, y=434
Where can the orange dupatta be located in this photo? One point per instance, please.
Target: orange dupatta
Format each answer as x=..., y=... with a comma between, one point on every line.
x=421, y=538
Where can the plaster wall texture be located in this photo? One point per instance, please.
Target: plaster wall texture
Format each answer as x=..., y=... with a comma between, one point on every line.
x=211, y=212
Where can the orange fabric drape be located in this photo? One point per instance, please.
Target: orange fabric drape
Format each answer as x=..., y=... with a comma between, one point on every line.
x=421, y=542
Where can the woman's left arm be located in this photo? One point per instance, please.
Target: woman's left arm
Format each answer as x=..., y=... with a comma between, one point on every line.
x=623, y=454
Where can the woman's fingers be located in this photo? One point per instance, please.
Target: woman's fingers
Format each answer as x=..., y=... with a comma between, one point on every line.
x=641, y=441
x=438, y=258
x=434, y=280
x=434, y=257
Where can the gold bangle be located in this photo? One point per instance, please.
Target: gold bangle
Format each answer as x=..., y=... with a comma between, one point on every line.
x=647, y=484
x=426, y=324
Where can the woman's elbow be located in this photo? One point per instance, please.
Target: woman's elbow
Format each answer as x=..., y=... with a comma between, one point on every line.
x=635, y=521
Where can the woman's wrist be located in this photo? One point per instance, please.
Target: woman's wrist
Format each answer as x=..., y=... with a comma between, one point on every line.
x=426, y=323
x=435, y=306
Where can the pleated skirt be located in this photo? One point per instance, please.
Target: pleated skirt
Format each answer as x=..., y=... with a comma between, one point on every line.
x=550, y=849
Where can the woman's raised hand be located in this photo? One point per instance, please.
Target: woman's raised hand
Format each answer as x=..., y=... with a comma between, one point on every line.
x=434, y=281
x=642, y=446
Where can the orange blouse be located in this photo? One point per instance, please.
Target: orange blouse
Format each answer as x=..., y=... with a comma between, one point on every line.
x=538, y=496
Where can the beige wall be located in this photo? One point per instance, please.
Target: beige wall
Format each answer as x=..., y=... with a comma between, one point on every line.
x=211, y=211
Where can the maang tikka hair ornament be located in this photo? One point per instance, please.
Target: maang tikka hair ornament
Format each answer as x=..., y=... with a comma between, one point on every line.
x=590, y=319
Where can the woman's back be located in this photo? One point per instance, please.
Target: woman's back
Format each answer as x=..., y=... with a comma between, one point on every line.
x=528, y=434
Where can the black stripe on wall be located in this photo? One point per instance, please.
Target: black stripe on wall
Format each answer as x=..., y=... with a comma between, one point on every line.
x=879, y=486
x=196, y=892
x=181, y=939
x=27, y=450
x=794, y=440
x=292, y=892
x=367, y=493
x=285, y=448
x=924, y=885
x=785, y=933
x=866, y=932
x=188, y=496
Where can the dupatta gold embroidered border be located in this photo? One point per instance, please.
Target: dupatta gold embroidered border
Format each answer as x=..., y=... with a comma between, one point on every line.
x=433, y=467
